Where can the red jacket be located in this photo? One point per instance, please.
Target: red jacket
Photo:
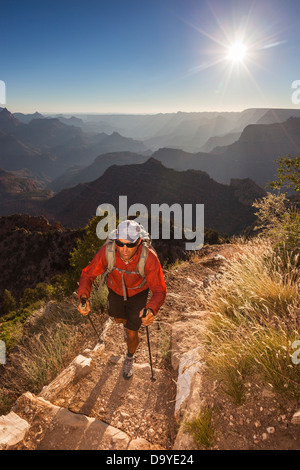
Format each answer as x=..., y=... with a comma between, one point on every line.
x=153, y=274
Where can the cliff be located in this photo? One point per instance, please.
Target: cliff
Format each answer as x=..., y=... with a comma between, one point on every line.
x=35, y=251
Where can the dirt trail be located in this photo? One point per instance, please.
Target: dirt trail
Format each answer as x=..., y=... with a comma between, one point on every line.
x=137, y=406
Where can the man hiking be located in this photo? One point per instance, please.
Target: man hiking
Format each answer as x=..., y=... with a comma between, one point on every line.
x=136, y=270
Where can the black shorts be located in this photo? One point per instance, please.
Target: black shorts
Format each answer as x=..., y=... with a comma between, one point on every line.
x=127, y=309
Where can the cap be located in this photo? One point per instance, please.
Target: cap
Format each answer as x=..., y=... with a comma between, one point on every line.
x=129, y=230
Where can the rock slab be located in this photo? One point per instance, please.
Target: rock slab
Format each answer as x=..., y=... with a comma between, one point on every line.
x=12, y=430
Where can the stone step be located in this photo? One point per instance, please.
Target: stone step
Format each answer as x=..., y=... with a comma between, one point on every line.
x=50, y=427
x=134, y=406
x=12, y=430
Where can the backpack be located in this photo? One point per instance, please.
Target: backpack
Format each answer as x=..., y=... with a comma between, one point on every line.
x=110, y=253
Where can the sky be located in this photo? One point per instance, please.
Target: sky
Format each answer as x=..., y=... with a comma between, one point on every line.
x=148, y=56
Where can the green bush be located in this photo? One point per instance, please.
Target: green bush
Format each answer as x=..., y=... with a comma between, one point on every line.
x=288, y=173
x=8, y=302
x=31, y=296
x=85, y=249
x=63, y=285
x=279, y=221
x=211, y=236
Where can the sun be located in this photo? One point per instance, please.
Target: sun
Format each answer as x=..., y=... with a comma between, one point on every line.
x=237, y=52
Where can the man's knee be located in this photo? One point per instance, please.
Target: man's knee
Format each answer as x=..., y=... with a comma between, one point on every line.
x=131, y=335
x=120, y=320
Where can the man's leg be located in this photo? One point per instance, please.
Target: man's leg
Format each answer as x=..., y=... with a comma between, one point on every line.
x=132, y=344
x=133, y=307
x=122, y=321
x=132, y=341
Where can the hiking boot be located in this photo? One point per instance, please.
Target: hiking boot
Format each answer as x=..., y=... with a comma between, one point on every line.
x=128, y=367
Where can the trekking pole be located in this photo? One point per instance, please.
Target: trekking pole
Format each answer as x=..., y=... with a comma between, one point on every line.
x=152, y=376
x=100, y=340
x=83, y=304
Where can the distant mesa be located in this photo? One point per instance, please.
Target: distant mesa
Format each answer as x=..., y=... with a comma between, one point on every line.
x=26, y=118
x=153, y=183
x=77, y=175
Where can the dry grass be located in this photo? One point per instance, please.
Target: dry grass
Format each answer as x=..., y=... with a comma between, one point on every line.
x=42, y=357
x=52, y=338
x=253, y=323
x=202, y=429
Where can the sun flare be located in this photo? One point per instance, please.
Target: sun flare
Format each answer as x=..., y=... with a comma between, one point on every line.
x=237, y=52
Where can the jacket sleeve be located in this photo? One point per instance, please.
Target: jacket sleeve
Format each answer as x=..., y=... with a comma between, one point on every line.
x=156, y=282
x=96, y=267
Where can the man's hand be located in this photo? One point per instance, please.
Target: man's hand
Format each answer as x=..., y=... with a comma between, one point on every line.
x=149, y=318
x=84, y=306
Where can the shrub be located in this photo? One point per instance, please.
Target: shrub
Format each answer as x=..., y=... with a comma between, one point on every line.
x=63, y=285
x=98, y=298
x=279, y=221
x=288, y=173
x=31, y=296
x=85, y=249
x=8, y=302
x=211, y=236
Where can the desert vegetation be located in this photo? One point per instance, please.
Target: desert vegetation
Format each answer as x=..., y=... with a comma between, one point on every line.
x=254, y=322
x=254, y=325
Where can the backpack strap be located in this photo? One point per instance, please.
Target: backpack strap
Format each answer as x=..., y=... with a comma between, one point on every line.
x=143, y=259
x=146, y=246
x=110, y=253
x=110, y=258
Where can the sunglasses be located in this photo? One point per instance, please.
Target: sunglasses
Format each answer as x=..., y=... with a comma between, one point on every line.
x=129, y=245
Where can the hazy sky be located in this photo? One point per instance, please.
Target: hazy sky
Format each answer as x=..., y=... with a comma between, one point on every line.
x=148, y=56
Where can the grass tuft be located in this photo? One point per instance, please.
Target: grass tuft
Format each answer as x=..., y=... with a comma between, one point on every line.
x=202, y=429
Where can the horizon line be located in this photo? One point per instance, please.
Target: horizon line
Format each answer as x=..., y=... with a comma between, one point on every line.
x=93, y=113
